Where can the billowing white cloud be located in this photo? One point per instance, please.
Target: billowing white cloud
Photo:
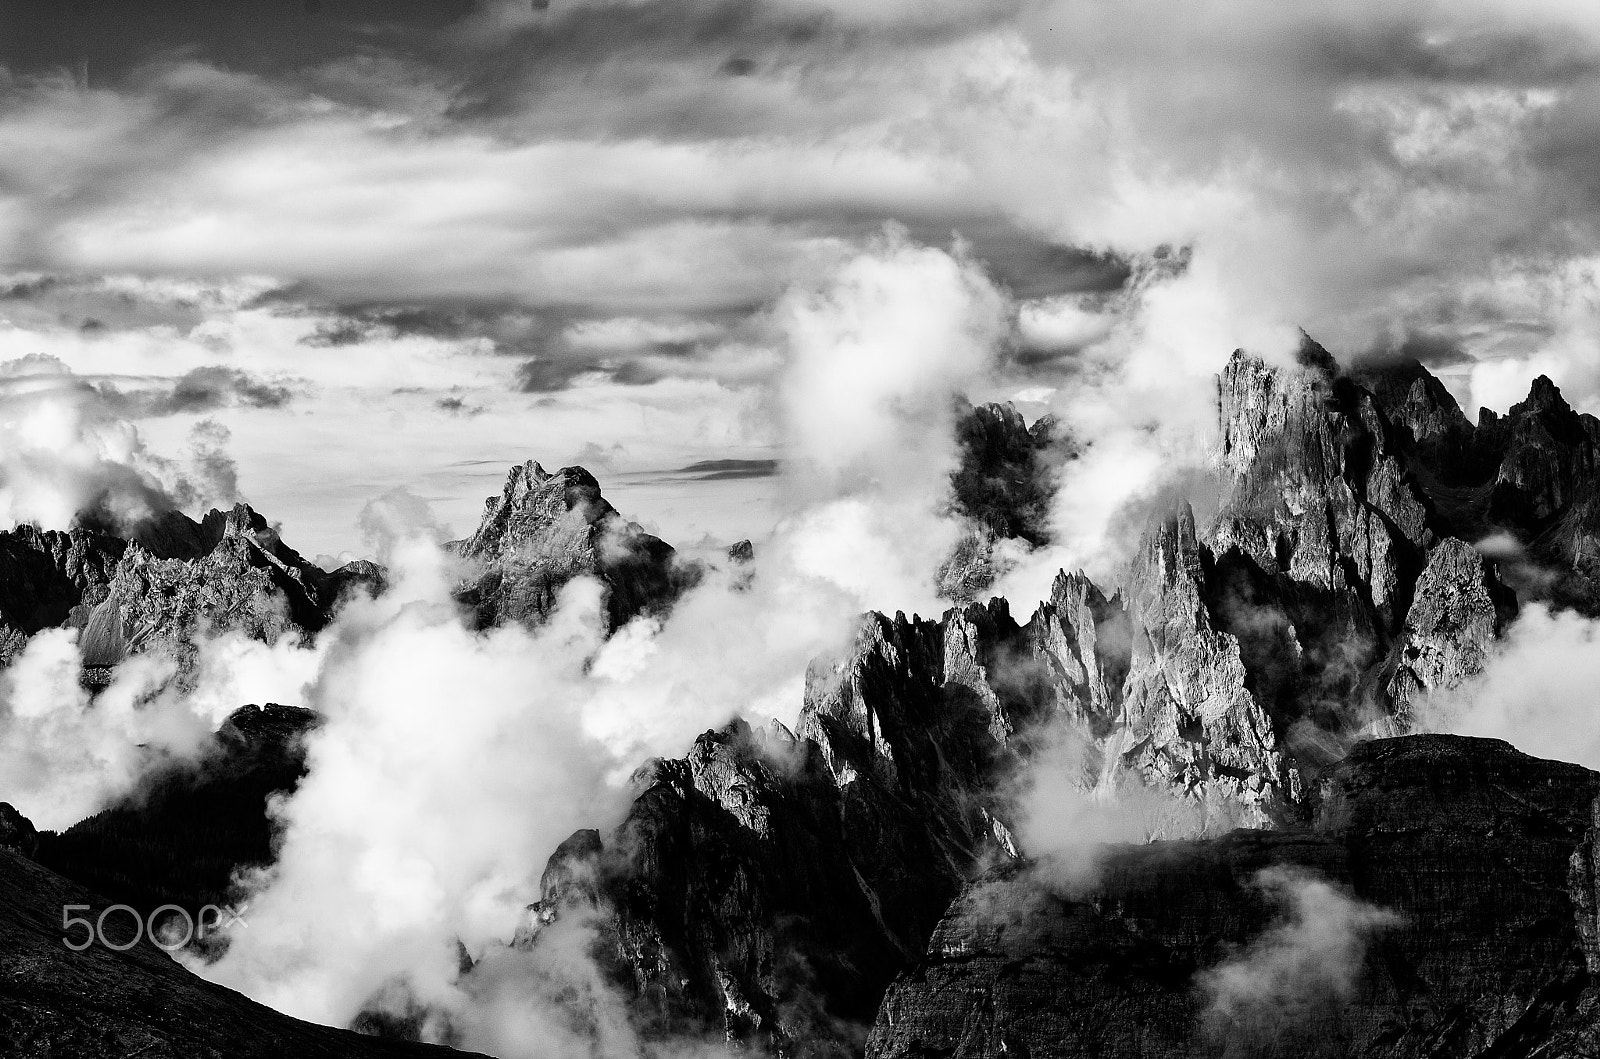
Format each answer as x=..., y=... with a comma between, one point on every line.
x=1536, y=691
x=1308, y=962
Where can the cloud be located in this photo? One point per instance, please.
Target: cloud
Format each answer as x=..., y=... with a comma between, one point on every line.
x=1306, y=965
x=204, y=389
x=874, y=359
x=390, y=855
x=1073, y=804
x=1535, y=692
x=66, y=754
x=66, y=457
x=64, y=757
x=395, y=518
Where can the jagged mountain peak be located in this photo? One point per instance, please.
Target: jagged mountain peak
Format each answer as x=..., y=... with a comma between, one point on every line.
x=543, y=530
x=1544, y=397
x=1312, y=356
x=531, y=502
x=1007, y=473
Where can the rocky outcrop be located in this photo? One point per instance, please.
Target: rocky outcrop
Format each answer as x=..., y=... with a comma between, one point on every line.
x=245, y=579
x=44, y=575
x=102, y=1003
x=1442, y=905
x=17, y=832
x=768, y=886
x=1006, y=477
x=175, y=582
x=1313, y=493
x=1458, y=611
x=1526, y=478
x=1192, y=722
x=544, y=530
x=1002, y=486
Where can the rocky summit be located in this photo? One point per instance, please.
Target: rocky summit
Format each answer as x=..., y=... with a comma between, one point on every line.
x=546, y=529
x=1304, y=875
x=173, y=582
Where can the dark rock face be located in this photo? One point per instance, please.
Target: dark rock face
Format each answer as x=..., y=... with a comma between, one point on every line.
x=17, y=832
x=1006, y=478
x=181, y=837
x=544, y=530
x=105, y=1004
x=1528, y=475
x=45, y=574
x=768, y=886
x=245, y=579
x=1003, y=485
x=1484, y=858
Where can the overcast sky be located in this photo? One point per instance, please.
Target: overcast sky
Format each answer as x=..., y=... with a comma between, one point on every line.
x=409, y=242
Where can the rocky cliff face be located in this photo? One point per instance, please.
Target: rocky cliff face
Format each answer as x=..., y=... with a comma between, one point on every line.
x=174, y=582
x=545, y=529
x=1368, y=545
x=1003, y=486
x=1447, y=909
x=769, y=885
x=766, y=884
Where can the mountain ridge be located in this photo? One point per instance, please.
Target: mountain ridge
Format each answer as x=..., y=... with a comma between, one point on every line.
x=1369, y=546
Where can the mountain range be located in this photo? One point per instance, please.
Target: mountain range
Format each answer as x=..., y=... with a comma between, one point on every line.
x=1310, y=874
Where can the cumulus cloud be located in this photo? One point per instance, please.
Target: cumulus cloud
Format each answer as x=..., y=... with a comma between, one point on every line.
x=1305, y=965
x=1536, y=690
x=1072, y=804
x=397, y=517
x=71, y=457
x=874, y=359
x=63, y=756
x=65, y=753
x=68, y=457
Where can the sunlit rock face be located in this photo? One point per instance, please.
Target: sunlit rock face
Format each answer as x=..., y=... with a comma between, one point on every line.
x=171, y=585
x=1446, y=907
x=545, y=529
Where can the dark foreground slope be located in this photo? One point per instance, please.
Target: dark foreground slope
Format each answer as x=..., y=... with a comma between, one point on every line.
x=102, y=1004
x=184, y=833
x=1464, y=926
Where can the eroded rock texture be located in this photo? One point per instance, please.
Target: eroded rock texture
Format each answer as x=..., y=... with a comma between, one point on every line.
x=1460, y=923
x=174, y=583
x=545, y=529
x=766, y=884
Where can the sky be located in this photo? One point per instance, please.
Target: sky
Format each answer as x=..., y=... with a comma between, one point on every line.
x=350, y=246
